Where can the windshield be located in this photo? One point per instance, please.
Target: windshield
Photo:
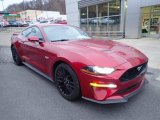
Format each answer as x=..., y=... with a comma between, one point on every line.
x=58, y=32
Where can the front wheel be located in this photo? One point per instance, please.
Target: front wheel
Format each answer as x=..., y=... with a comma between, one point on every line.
x=67, y=82
x=16, y=57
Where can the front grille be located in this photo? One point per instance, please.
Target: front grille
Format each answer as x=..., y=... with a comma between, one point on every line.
x=127, y=89
x=133, y=72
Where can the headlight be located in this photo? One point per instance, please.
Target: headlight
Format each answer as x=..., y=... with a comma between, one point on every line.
x=98, y=70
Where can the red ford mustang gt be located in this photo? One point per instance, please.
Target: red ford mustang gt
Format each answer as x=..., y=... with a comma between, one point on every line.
x=101, y=71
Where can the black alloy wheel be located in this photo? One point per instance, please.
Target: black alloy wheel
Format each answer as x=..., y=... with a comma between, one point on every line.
x=16, y=57
x=67, y=82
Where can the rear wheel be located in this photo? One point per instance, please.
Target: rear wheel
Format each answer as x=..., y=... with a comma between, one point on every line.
x=16, y=57
x=67, y=82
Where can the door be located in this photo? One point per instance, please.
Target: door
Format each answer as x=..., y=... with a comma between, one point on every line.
x=37, y=51
x=25, y=51
x=151, y=21
x=155, y=23
x=146, y=21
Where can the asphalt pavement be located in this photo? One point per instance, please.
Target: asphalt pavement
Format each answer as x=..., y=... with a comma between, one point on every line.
x=26, y=95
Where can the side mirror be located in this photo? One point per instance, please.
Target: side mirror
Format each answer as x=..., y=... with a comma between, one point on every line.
x=33, y=39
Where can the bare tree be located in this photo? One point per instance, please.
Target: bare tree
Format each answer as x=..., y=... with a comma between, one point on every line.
x=49, y=5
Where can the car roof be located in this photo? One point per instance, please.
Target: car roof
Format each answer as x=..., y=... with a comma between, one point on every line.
x=47, y=24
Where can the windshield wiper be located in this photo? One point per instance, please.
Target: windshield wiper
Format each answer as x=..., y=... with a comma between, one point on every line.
x=60, y=40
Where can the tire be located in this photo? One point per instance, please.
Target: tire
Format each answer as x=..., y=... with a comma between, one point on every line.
x=67, y=82
x=17, y=60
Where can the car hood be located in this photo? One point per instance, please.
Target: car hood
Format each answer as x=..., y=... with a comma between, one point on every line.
x=103, y=52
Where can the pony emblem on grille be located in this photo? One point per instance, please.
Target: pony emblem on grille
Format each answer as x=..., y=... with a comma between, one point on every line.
x=139, y=68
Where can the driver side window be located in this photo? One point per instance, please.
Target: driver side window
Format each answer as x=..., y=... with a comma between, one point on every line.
x=34, y=31
x=26, y=32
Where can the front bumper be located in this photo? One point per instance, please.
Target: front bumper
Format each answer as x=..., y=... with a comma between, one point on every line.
x=120, y=99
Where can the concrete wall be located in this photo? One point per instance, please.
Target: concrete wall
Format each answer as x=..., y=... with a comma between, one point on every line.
x=133, y=16
x=72, y=12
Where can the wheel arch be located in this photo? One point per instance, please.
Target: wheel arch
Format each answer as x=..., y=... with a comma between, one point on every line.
x=59, y=61
x=55, y=64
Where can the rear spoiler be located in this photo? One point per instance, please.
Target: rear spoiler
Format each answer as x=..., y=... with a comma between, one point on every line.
x=15, y=34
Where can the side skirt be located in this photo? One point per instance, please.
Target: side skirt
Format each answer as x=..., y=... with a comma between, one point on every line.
x=37, y=71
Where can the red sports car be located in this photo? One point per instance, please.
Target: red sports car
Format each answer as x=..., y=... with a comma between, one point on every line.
x=101, y=71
